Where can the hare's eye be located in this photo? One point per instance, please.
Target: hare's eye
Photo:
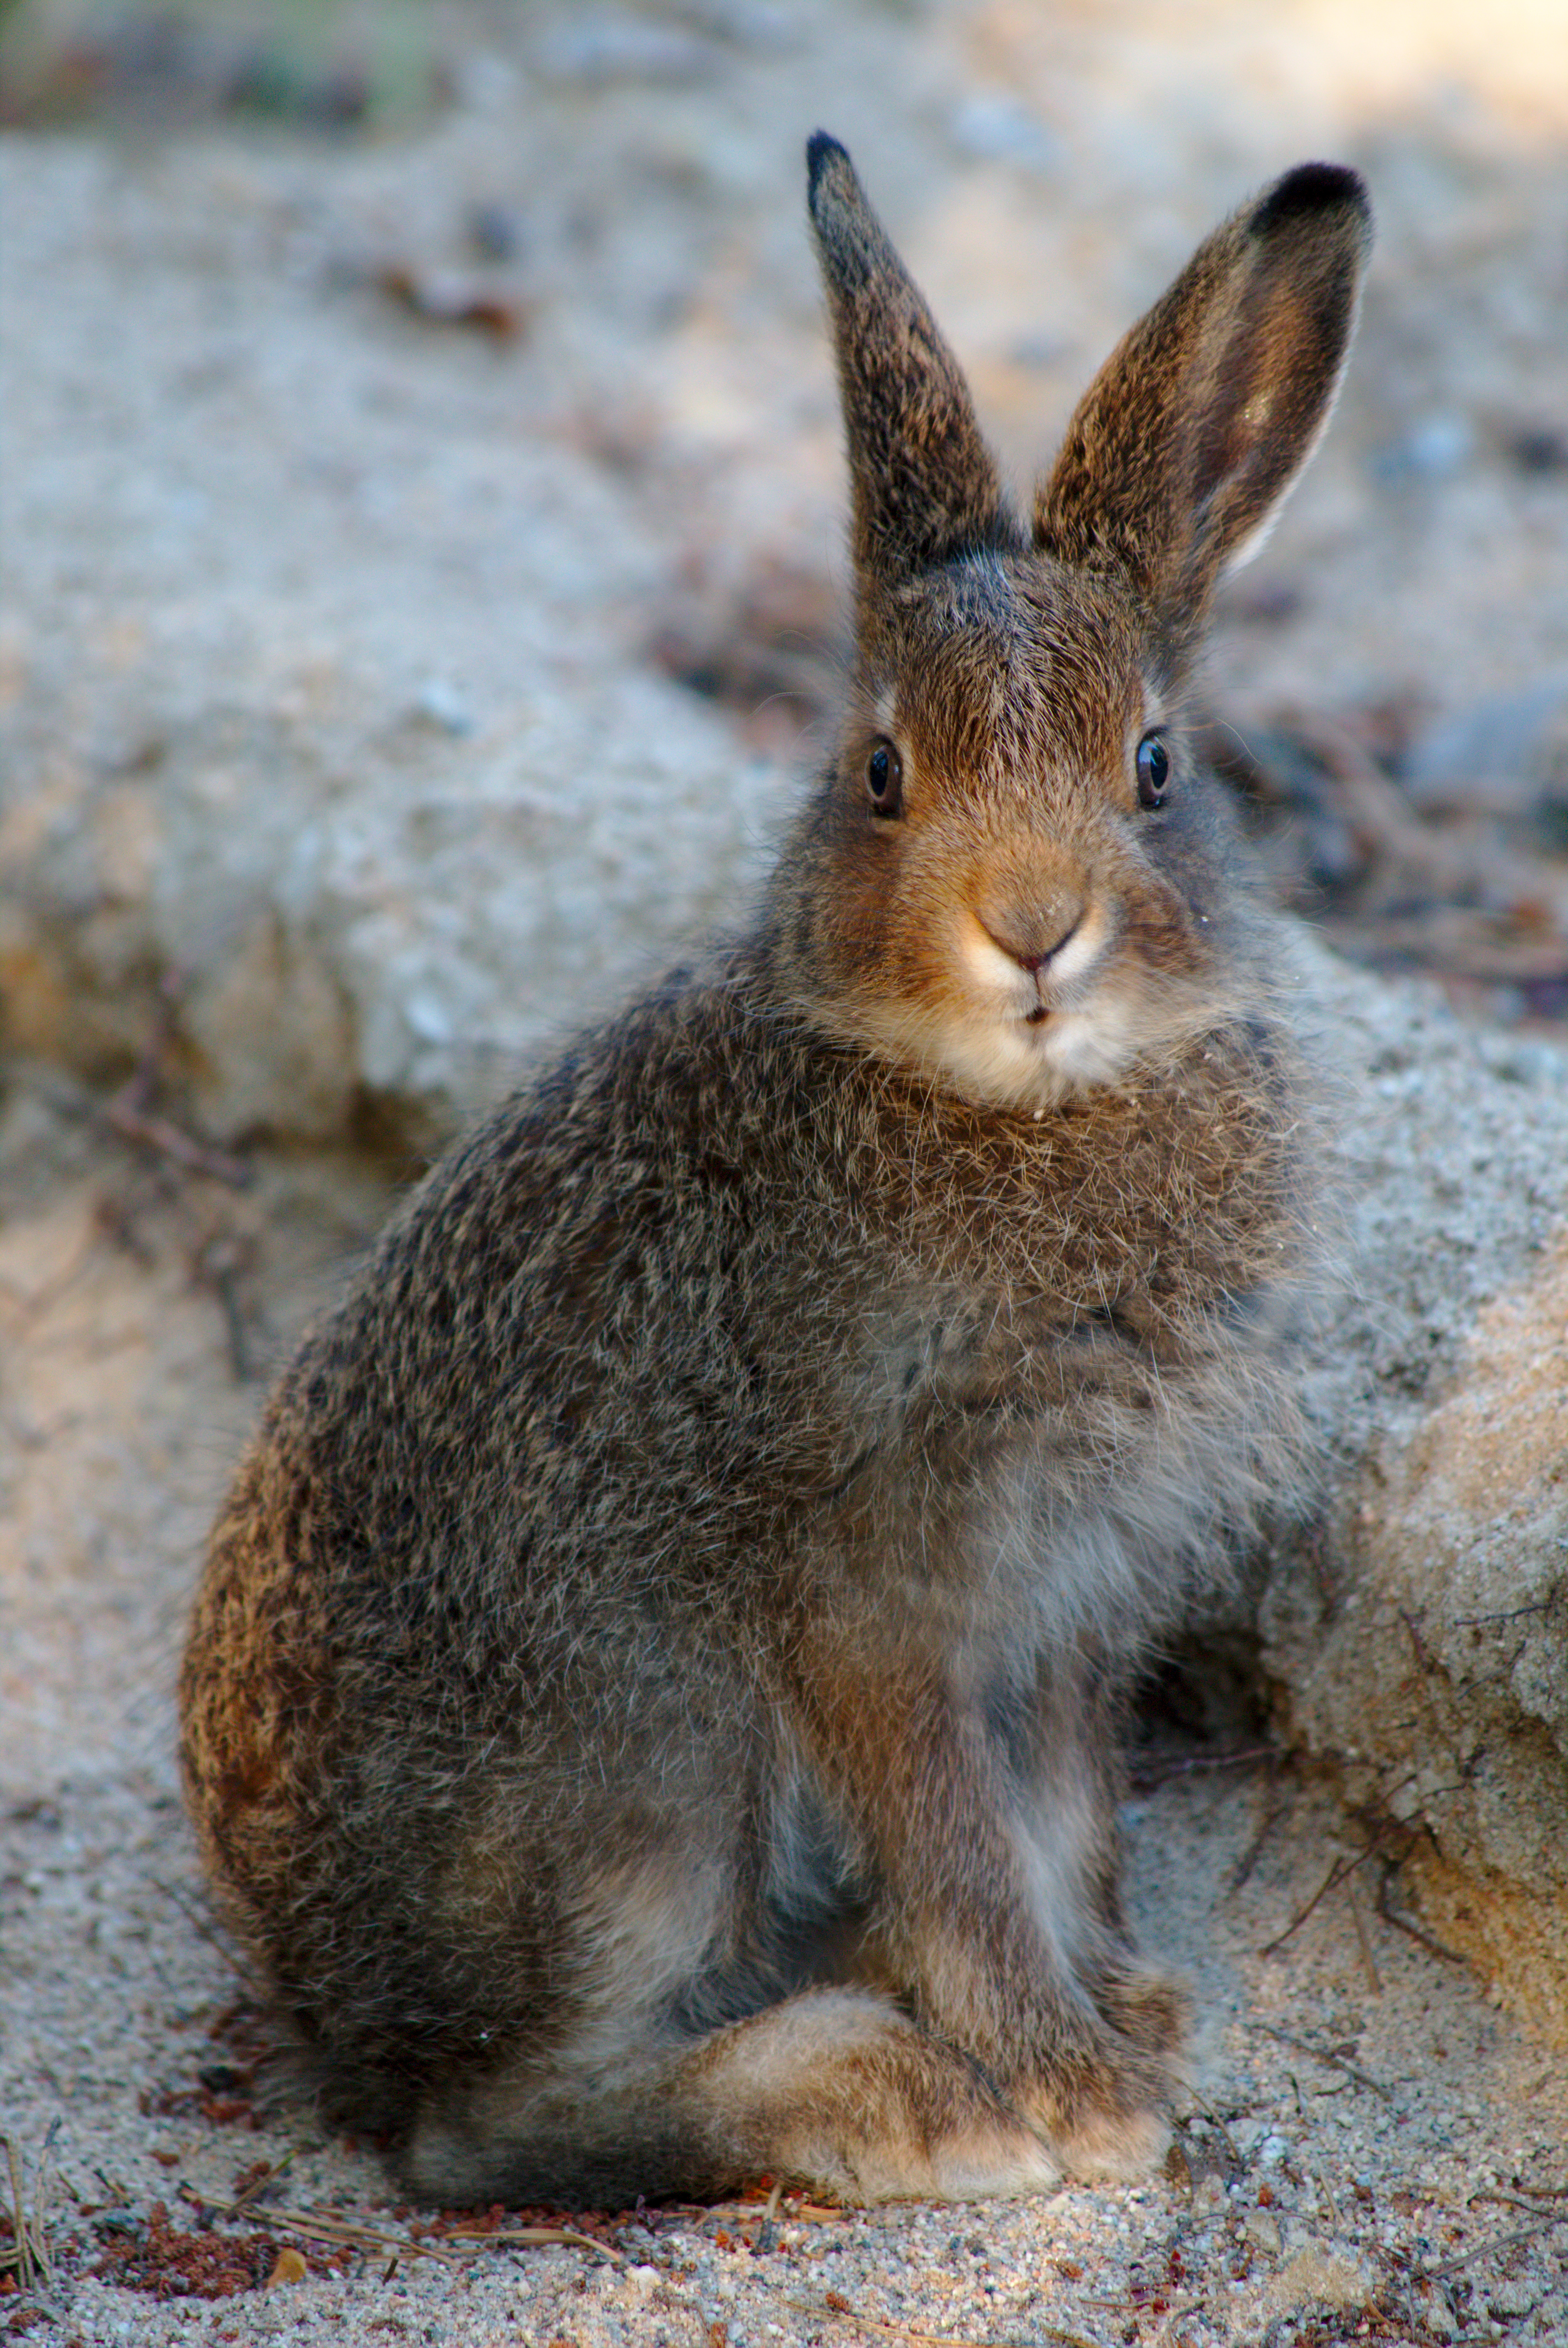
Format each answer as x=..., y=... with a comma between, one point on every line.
x=884, y=778
x=1153, y=771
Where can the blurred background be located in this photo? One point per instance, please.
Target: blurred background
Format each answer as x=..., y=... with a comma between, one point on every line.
x=422, y=505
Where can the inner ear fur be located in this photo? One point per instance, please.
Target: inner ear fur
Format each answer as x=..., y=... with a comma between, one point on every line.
x=1188, y=440
x=923, y=485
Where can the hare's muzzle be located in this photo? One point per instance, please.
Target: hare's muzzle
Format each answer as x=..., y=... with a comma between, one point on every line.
x=1030, y=952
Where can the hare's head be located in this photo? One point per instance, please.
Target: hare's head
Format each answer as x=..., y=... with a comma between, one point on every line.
x=1011, y=879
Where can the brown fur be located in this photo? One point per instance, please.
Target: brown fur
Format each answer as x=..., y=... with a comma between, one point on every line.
x=652, y=1706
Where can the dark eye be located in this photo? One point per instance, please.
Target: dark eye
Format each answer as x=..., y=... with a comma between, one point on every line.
x=884, y=778
x=1153, y=771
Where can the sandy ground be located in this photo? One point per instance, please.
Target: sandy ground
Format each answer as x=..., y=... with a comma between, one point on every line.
x=1373, y=2151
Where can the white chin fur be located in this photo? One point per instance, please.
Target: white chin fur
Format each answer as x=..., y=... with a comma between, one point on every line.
x=1014, y=1065
x=1004, y=1061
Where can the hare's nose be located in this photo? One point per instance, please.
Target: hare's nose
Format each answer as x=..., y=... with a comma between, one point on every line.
x=1035, y=963
x=1033, y=936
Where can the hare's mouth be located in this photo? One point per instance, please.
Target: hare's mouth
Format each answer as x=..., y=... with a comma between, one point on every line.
x=1037, y=1016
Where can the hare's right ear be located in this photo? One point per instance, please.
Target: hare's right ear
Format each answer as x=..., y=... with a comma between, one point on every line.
x=1189, y=437
x=924, y=487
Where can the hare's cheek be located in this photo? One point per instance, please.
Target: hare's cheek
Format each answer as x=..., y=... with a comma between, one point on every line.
x=1162, y=934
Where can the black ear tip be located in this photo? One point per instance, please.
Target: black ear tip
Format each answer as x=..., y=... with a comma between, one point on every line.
x=822, y=152
x=1312, y=190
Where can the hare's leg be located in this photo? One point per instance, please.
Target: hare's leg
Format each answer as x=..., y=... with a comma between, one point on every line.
x=1057, y=1733
x=1057, y=1730
x=701, y=2032
x=994, y=1916
x=834, y=2089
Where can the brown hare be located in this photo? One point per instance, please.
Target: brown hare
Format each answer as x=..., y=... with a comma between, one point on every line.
x=652, y=1707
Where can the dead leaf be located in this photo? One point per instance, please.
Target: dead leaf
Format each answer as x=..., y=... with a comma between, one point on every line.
x=451, y=300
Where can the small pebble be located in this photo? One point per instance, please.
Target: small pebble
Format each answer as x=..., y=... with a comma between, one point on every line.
x=439, y=701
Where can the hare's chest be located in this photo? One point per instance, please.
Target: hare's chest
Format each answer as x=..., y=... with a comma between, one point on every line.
x=971, y=1367
x=1056, y=1466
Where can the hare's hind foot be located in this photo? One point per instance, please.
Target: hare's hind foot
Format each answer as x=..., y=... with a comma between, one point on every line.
x=1106, y=2108
x=1105, y=2118
x=1149, y=2013
x=835, y=2090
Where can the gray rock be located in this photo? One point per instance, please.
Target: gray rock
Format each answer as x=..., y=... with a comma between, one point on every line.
x=350, y=906
x=1492, y=755
x=1417, y=1637
x=598, y=48
x=988, y=127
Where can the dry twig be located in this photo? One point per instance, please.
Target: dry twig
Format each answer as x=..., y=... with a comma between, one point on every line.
x=1326, y=2055
x=1401, y=1923
x=1341, y=1869
x=536, y=2238
x=28, y=2254
x=320, y=2226
x=320, y=2229
x=1365, y=1937
x=129, y=1112
x=1497, y=2242
x=1273, y=1810
x=198, y=1923
x=1156, y=1770
x=838, y=2310
x=269, y=2176
x=21, y=2252
x=134, y=1124
x=1337, y=1875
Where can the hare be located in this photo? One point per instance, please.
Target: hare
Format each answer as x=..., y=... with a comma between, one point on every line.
x=653, y=1704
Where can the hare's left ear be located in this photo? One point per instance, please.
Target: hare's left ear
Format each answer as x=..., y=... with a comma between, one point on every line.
x=924, y=487
x=1188, y=440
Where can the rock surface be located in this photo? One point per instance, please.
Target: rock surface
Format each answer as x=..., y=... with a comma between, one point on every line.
x=372, y=823
x=1419, y=1637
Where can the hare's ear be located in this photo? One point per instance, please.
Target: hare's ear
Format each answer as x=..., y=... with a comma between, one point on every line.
x=1189, y=437
x=923, y=483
